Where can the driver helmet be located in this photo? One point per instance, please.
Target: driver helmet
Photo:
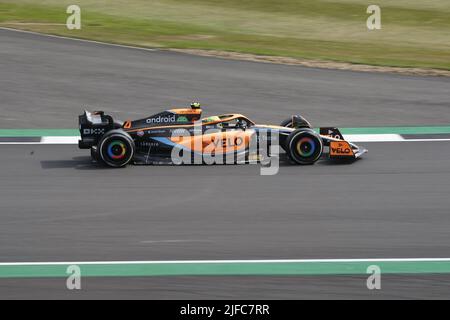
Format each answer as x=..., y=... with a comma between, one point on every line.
x=195, y=105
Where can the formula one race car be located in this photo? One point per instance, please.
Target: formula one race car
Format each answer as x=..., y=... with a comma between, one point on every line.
x=181, y=136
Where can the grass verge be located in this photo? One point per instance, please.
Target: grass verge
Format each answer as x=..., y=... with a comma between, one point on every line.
x=414, y=35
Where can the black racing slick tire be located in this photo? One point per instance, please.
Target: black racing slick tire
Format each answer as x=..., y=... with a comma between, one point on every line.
x=301, y=122
x=304, y=146
x=286, y=123
x=116, y=148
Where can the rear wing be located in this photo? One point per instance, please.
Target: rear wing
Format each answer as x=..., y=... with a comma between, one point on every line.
x=93, y=125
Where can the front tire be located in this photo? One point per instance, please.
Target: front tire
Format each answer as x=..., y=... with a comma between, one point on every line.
x=116, y=148
x=304, y=146
x=300, y=122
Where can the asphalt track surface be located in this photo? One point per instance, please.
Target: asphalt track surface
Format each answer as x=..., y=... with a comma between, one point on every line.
x=45, y=82
x=56, y=206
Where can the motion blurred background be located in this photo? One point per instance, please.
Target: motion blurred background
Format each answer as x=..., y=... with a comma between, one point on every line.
x=414, y=33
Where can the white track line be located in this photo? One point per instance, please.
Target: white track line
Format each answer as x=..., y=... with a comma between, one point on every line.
x=77, y=39
x=425, y=140
x=19, y=143
x=227, y=261
x=373, y=137
x=59, y=140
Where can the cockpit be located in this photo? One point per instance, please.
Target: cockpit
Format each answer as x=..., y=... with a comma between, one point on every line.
x=228, y=121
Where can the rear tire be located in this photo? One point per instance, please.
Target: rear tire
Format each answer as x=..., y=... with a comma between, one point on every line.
x=116, y=148
x=304, y=146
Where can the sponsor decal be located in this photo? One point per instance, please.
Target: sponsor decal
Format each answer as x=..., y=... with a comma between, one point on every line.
x=331, y=133
x=338, y=148
x=140, y=133
x=178, y=132
x=182, y=119
x=161, y=119
x=230, y=147
x=334, y=135
x=228, y=142
x=93, y=131
x=186, y=111
x=149, y=144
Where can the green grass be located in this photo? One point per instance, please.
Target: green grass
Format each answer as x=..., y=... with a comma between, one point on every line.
x=414, y=33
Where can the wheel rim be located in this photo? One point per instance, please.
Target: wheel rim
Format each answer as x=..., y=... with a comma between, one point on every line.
x=306, y=147
x=117, y=150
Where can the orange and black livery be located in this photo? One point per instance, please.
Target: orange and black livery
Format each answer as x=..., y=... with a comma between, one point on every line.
x=182, y=133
